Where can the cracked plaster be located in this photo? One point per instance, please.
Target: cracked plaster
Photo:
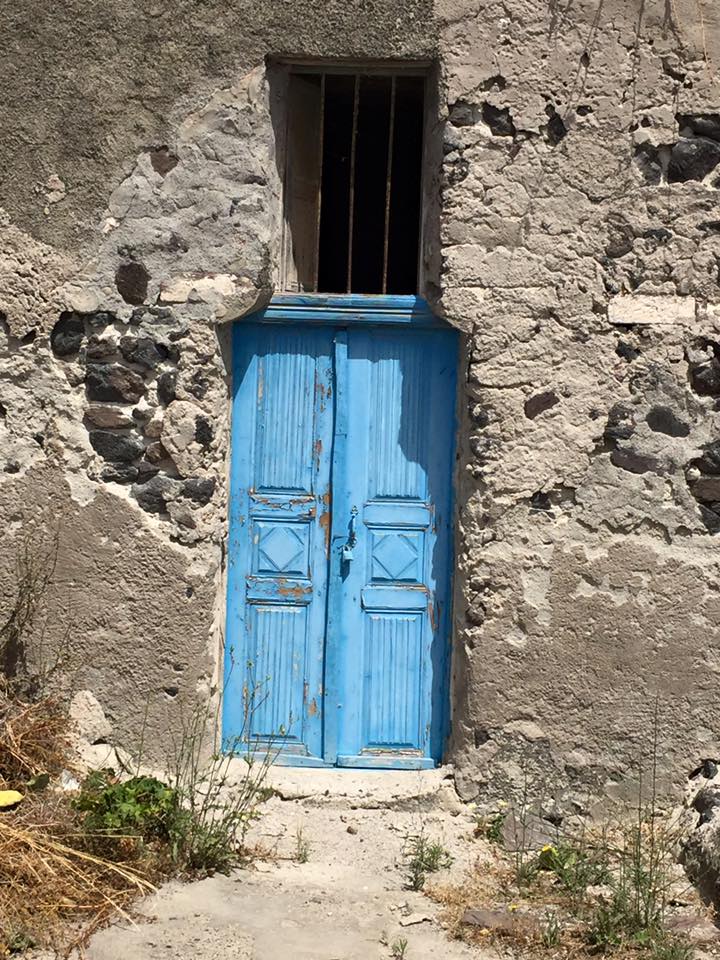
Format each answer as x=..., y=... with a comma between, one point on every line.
x=587, y=580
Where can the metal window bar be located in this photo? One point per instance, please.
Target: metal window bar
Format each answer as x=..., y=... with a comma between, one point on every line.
x=353, y=152
x=357, y=80
x=388, y=184
x=321, y=147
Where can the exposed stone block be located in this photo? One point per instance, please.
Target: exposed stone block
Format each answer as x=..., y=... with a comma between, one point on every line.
x=155, y=452
x=163, y=160
x=108, y=417
x=131, y=280
x=709, y=462
x=166, y=384
x=119, y=473
x=98, y=348
x=113, y=383
x=143, y=351
x=499, y=120
x=705, y=377
x=556, y=129
x=99, y=319
x=692, y=160
x=707, y=489
x=628, y=459
x=540, y=402
x=664, y=420
x=620, y=423
x=204, y=431
x=67, y=335
x=648, y=309
x=700, y=125
x=199, y=489
x=121, y=447
x=156, y=493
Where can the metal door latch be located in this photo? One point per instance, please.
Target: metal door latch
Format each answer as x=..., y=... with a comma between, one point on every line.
x=349, y=547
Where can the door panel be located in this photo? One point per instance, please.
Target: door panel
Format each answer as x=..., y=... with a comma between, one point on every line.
x=339, y=548
x=392, y=620
x=277, y=571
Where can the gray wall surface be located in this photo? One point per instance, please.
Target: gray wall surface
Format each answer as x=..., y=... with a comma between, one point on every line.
x=573, y=236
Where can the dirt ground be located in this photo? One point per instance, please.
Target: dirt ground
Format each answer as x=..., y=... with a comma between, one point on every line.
x=348, y=901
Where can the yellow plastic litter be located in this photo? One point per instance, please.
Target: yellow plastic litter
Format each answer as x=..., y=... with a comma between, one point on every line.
x=8, y=798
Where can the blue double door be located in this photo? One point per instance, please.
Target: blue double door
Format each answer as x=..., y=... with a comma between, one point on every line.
x=340, y=543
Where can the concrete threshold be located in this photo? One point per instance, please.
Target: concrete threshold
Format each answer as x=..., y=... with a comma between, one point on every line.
x=366, y=789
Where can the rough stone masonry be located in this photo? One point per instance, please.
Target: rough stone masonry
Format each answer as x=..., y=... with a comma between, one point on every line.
x=574, y=239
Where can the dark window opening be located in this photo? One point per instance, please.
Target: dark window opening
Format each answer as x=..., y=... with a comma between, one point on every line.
x=354, y=183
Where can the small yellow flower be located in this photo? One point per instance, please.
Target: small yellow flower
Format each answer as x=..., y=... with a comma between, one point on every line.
x=547, y=848
x=8, y=798
x=513, y=907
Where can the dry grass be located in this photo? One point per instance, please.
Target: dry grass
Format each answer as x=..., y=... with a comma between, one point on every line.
x=54, y=889
x=550, y=919
x=34, y=739
x=53, y=892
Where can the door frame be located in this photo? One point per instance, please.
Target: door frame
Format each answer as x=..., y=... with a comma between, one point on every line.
x=347, y=310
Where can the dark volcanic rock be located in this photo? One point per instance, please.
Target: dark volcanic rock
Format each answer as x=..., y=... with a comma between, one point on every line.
x=627, y=459
x=143, y=351
x=648, y=162
x=131, y=280
x=99, y=349
x=119, y=473
x=556, y=129
x=163, y=160
x=706, y=489
x=536, y=405
x=709, y=462
x=700, y=124
x=711, y=517
x=113, y=383
x=692, y=160
x=199, y=489
x=663, y=420
x=203, y=431
x=166, y=384
x=100, y=319
x=620, y=423
x=67, y=335
x=155, y=494
x=705, y=378
x=499, y=120
x=120, y=447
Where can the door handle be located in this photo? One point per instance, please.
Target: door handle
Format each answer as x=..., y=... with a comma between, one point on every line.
x=349, y=547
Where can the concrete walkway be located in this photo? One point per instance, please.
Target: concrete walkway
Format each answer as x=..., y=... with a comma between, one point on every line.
x=348, y=901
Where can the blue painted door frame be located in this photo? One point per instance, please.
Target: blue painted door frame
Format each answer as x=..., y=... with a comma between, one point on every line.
x=339, y=554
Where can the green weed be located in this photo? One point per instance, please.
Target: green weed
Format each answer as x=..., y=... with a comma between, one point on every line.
x=575, y=865
x=491, y=827
x=398, y=950
x=302, y=846
x=552, y=930
x=423, y=856
x=141, y=807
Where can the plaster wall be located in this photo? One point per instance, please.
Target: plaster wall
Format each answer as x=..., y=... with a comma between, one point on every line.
x=573, y=237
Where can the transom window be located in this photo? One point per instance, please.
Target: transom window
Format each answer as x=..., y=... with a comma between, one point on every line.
x=353, y=181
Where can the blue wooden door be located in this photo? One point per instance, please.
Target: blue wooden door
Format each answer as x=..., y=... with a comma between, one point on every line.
x=339, y=566
x=389, y=614
x=279, y=536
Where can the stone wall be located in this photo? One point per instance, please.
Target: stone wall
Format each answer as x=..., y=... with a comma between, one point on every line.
x=580, y=253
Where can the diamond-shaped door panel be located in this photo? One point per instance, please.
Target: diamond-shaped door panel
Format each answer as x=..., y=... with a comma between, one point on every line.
x=396, y=555
x=281, y=549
